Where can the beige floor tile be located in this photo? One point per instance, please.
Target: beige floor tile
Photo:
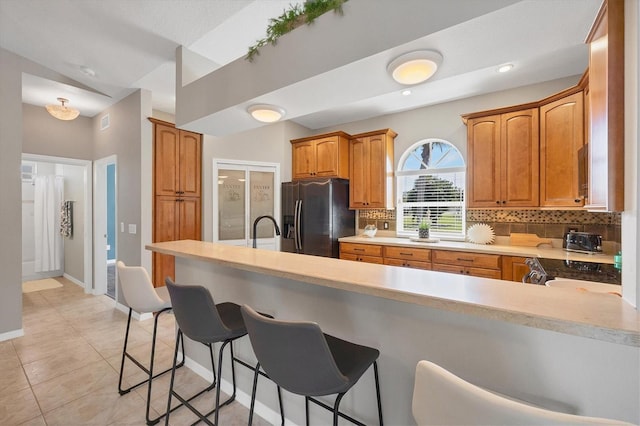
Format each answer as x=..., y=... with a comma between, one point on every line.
x=66, y=359
x=18, y=407
x=12, y=377
x=34, y=351
x=38, y=421
x=73, y=385
x=109, y=342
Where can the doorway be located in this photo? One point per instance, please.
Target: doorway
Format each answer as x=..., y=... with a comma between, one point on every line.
x=105, y=226
x=76, y=258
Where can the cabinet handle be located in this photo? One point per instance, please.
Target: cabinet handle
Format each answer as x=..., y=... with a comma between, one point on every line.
x=498, y=202
x=504, y=202
x=406, y=254
x=358, y=249
x=461, y=259
x=577, y=200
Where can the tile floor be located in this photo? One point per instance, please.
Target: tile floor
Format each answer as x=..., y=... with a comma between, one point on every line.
x=64, y=370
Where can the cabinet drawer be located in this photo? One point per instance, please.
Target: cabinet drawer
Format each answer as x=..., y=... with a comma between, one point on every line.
x=464, y=270
x=407, y=263
x=361, y=258
x=489, y=261
x=452, y=269
x=418, y=254
x=361, y=249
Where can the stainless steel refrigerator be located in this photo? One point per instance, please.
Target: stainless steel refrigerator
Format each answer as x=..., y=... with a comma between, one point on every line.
x=315, y=213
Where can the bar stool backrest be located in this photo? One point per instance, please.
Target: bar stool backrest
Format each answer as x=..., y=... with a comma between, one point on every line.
x=138, y=290
x=295, y=355
x=196, y=313
x=440, y=397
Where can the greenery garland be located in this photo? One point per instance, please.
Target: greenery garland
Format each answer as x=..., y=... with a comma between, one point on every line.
x=292, y=18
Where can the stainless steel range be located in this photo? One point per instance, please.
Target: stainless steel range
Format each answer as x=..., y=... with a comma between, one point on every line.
x=542, y=270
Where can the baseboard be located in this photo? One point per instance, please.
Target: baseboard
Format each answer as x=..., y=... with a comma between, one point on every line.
x=243, y=398
x=11, y=335
x=73, y=280
x=136, y=316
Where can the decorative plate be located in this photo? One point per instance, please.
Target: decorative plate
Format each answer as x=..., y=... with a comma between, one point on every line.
x=481, y=233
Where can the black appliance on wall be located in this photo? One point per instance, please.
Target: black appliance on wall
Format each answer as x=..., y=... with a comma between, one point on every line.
x=315, y=213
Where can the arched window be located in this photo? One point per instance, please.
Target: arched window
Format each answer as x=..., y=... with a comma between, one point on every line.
x=431, y=180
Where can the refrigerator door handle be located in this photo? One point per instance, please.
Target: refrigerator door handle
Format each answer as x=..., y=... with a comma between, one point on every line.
x=298, y=218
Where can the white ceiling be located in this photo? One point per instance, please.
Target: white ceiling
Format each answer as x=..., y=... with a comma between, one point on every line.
x=131, y=44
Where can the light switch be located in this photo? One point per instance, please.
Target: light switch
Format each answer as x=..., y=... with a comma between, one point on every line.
x=121, y=226
x=132, y=228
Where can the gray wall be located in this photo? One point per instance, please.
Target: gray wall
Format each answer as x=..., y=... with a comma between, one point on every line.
x=45, y=135
x=74, y=245
x=10, y=194
x=123, y=139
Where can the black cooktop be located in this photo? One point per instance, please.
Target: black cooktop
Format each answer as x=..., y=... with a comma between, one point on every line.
x=589, y=271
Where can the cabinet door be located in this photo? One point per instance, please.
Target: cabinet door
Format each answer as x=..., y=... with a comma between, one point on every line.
x=359, y=172
x=519, y=159
x=165, y=165
x=326, y=156
x=189, y=164
x=303, y=159
x=561, y=137
x=377, y=173
x=188, y=218
x=483, y=178
x=165, y=219
x=514, y=268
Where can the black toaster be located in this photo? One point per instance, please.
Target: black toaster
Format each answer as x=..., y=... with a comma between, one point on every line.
x=584, y=242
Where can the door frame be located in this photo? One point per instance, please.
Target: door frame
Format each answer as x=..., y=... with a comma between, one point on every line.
x=88, y=212
x=100, y=221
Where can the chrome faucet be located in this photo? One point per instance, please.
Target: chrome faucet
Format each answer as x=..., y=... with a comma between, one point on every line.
x=255, y=228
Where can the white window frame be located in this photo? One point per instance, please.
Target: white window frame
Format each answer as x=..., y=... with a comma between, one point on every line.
x=400, y=204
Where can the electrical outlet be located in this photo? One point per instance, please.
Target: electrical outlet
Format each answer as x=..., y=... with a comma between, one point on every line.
x=132, y=228
x=385, y=225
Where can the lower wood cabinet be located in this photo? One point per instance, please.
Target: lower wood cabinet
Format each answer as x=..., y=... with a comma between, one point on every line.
x=510, y=268
x=408, y=257
x=465, y=263
x=369, y=253
x=514, y=268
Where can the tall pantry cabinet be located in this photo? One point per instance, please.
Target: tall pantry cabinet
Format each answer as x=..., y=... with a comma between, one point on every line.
x=177, y=206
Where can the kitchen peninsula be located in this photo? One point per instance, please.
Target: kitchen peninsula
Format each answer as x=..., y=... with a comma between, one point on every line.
x=557, y=348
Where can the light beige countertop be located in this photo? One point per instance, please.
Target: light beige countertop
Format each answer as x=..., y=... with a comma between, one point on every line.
x=544, y=251
x=593, y=315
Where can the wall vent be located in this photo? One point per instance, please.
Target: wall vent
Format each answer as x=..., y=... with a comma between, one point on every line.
x=105, y=121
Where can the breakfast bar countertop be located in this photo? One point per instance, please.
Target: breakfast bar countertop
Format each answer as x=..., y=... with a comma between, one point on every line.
x=501, y=247
x=592, y=315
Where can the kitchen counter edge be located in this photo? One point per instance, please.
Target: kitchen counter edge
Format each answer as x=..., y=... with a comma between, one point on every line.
x=560, y=310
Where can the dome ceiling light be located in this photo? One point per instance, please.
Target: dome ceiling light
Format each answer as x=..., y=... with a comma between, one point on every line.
x=414, y=67
x=62, y=112
x=266, y=113
x=505, y=68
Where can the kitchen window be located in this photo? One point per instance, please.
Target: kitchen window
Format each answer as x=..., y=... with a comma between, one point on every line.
x=431, y=180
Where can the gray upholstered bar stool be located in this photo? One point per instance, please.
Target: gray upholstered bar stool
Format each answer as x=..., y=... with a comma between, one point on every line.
x=442, y=398
x=203, y=321
x=299, y=357
x=140, y=295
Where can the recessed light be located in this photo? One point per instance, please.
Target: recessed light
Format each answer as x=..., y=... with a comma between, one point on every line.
x=414, y=67
x=266, y=113
x=505, y=68
x=406, y=92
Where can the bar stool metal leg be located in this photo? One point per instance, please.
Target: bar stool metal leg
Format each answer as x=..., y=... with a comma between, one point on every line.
x=257, y=373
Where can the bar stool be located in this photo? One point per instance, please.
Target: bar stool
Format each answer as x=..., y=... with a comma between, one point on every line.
x=299, y=357
x=201, y=320
x=442, y=398
x=140, y=295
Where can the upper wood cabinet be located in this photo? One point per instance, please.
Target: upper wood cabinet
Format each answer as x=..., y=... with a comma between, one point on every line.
x=561, y=137
x=371, y=170
x=177, y=161
x=606, y=109
x=321, y=156
x=503, y=160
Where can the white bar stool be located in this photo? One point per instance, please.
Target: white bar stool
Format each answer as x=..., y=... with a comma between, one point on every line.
x=442, y=398
x=140, y=295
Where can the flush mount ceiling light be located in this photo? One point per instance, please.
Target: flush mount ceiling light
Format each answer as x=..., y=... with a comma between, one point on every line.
x=266, y=113
x=414, y=67
x=62, y=112
x=505, y=68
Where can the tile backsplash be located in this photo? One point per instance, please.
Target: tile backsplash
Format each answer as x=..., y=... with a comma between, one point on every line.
x=544, y=223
